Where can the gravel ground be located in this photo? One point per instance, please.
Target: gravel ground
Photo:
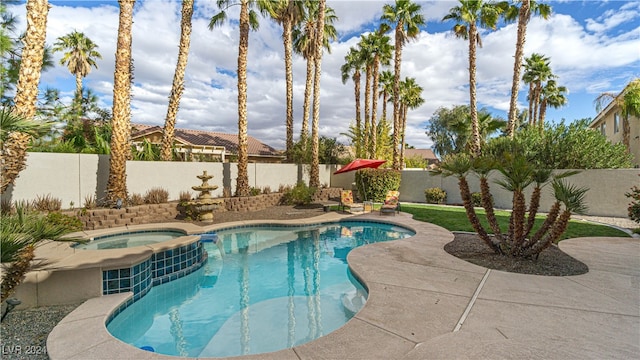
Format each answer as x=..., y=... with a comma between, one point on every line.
x=24, y=332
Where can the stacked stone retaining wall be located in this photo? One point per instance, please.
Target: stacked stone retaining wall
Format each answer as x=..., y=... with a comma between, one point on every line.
x=151, y=213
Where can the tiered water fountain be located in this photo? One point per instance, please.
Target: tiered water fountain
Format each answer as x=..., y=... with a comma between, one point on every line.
x=204, y=205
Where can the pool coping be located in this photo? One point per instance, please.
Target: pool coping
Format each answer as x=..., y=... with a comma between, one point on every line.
x=418, y=296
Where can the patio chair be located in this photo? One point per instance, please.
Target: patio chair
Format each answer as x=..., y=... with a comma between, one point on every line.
x=391, y=203
x=346, y=201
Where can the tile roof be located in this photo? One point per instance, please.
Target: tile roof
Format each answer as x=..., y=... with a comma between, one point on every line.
x=423, y=153
x=210, y=138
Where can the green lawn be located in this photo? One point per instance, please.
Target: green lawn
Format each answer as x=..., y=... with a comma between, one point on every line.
x=455, y=219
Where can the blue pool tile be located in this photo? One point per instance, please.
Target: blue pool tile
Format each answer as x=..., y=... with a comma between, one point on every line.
x=112, y=274
x=125, y=284
x=113, y=284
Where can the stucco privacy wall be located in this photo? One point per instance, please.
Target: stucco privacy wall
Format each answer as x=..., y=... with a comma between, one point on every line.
x=71, y=177
x=604, y=198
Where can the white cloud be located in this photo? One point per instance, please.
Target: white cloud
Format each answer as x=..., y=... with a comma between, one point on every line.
x=589, y=56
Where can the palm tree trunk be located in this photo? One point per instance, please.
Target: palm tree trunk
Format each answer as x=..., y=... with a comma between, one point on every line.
x=404, y=108
x=304, y=132
x=14, y=152
x=559, y=227
x=487, y=204
x=473, y=103
x=534, y=204
x=16, y=272
x=367, y=113
x=288, y=49
x=78, y=97
x=465, y=193
x=396, y=96
x=543, y=114
x=242, y=183
x=356, y=80
x=14, y=157
x=178, y=81
x=121, y=119
x=374, y=109
x=314, y=176
x=523, y=19
x=32, y=55
x=516, y=222
x=536, y=102
x=546, y=225
x=532, y=92
x=385, y=99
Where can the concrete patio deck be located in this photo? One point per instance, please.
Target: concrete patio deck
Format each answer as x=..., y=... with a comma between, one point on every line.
x=424, y=303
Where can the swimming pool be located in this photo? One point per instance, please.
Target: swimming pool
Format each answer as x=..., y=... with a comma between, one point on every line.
x=263, y=289
x=129, y=239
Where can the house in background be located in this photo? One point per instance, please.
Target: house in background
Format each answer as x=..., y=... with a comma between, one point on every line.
x=609, y=122
x=198, y=145
x=426, y=154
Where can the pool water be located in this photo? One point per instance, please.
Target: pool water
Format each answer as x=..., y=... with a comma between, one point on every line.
x=262, y=289
x=129, y=239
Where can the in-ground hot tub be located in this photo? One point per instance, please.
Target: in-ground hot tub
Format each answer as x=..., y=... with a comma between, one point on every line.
x=130, y=239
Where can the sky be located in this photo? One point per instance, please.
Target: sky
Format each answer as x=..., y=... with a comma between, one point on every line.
x=593, y=46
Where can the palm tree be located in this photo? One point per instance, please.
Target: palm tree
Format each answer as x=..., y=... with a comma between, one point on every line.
x=20, y=234
x=80, y=56
x=314, y=174
x=386, y=89
x=523, y=13
x=410, y=98
x=248, y=20
x=121, y=118
x=553, y=96
x=11, y=46
x=304, y=37
x=536, y=71
x=287, y=13
x=366, y=55
x=628, y=101
x=177, y=87
x=353, y=63
x=406, y=19
x=381, y=50
x=15, y=134
x=469, y=16
x=26, y=90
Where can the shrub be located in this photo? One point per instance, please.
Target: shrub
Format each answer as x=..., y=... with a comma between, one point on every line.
x=300, y=194
x=266, y=190
x=435, y=195
x=476, y=199
x=156, y=196
x=71, y=223
x=6, y=207
x=562, y=146
x=284, y=188
x=47, y=203
x=373, y=184
x=254, y=191
x=185, y=196
x=415, y=162
x=517, y=172
x=136, y=199
x=89, y=202
x=634, y=206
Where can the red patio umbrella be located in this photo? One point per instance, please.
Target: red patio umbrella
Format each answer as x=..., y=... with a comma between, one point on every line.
x=360, y=164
